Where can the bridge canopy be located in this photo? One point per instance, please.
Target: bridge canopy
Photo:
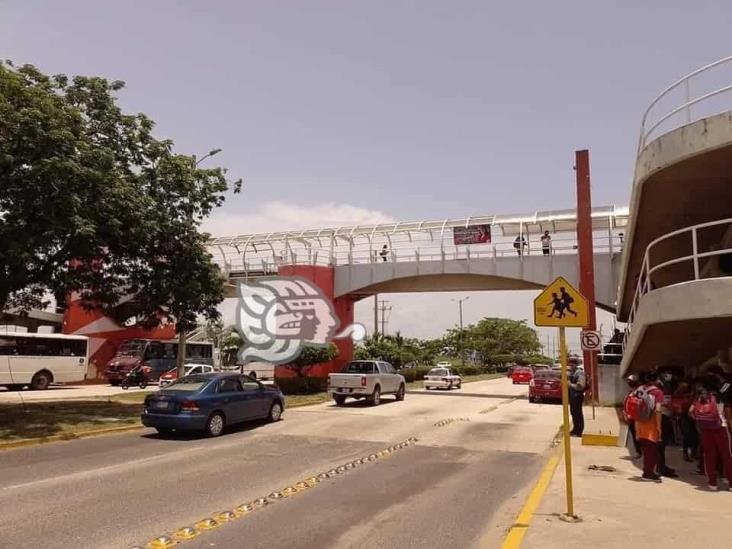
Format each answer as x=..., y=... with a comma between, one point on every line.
x=415, y=240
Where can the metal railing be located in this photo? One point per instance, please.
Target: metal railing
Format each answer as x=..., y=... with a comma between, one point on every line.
x=645, y=283
x=413, y=252
x=684, y=84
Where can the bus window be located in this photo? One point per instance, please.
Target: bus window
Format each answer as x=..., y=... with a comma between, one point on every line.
x=8, y=347
x=154, y=351
x=170, y=350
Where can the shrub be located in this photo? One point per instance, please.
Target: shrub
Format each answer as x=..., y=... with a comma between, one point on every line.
x=302, y=385
x=414, y=374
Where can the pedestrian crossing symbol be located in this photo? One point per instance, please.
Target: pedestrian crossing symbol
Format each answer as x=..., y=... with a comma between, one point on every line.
x=560, y=304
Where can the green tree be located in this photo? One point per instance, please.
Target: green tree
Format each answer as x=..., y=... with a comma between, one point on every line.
x=91, y=202
x=312, y=355
x=384, y=348
x=498, y=340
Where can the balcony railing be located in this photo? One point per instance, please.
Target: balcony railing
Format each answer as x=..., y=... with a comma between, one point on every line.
x=666, y=261
x=690, y=108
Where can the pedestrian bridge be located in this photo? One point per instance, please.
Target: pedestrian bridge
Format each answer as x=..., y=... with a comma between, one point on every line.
x=476, y=253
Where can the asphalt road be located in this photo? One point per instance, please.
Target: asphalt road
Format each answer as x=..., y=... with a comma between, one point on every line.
x=460, y=485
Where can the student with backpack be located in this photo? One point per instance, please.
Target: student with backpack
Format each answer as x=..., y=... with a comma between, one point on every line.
x=643, y=408
x=708, y=413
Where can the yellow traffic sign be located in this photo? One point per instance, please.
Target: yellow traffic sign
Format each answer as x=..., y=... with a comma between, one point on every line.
x=561, y=304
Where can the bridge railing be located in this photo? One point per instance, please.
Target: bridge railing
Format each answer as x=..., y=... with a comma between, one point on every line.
x=693, y=253
x=687, y=109
x=413, y=252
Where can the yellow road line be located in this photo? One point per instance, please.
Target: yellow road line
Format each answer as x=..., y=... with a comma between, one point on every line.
x=518, y=529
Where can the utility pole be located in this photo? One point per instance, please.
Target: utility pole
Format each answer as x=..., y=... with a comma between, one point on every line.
x=376, y=314
x=181, y=356
x=460, y=342
x=383, y=310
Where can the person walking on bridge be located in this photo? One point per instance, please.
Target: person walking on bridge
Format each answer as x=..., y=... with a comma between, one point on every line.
x=546, y=243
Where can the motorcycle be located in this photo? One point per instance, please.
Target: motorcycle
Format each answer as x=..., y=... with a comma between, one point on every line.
x=137, y=376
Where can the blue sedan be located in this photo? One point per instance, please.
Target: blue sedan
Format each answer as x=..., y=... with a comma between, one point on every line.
x=210, y=402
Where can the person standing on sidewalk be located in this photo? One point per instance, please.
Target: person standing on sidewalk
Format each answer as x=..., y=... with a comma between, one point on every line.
x=715, y=436
x=648, y=430
x=632, y=385
x=681, y=401
x=667, y=430
x=576, y=397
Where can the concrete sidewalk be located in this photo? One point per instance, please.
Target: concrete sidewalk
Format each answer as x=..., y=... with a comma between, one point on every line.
x=620, y=511
x=68, y=392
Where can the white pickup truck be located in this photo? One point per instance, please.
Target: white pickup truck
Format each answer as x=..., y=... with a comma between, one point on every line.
x=366, y=379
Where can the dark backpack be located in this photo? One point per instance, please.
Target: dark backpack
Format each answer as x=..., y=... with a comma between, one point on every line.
x=706, y=413
x=640, y=405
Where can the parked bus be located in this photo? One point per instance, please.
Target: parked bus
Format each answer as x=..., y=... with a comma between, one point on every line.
x=37, y=360
x=158, y=355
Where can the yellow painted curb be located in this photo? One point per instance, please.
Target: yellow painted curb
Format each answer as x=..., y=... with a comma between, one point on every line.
x=590, y=439
x=67, y=436
x=518, y=529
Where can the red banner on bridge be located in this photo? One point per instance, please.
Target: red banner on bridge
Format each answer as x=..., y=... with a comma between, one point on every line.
x=472, y=234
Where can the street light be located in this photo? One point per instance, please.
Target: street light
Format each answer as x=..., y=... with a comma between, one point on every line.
x=181, y=358
x=460, y=308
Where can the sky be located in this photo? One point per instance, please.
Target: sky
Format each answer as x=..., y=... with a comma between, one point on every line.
x=343, y=112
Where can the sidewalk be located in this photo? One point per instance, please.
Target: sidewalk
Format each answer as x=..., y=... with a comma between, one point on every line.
x=620, y=511
x=67, y=392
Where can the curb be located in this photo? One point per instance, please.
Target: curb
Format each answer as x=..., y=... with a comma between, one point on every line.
x=66, y=436
x=592, y=439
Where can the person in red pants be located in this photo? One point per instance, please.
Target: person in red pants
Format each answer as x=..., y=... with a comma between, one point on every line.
x=715, y=437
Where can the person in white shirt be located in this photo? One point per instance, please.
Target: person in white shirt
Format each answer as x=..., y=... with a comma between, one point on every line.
x=546, y=243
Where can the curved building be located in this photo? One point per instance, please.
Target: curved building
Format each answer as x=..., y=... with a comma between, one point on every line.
x=675, y=288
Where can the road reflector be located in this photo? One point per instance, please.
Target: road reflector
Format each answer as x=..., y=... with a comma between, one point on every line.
x=185, y=533
x=224, y=516
x=562, y=305
x=161, y=542
x=206, y=524
x=243, y=509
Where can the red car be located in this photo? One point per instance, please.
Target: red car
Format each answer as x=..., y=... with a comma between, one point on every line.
x=546, y=385
x=522, y=374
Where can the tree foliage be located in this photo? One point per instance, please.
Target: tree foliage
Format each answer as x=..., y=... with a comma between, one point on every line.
x=91, y=202
x=312, y=355
x=496, y=340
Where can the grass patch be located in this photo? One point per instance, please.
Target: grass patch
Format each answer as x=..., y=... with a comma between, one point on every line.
x=43, y=419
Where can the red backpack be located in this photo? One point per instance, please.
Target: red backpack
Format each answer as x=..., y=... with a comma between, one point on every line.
x=706, y=413
x=639, y=405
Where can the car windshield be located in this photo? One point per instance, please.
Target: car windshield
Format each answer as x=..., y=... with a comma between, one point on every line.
x=131, y=348
x=189, y=384
x=437, y=372
x=359, y=368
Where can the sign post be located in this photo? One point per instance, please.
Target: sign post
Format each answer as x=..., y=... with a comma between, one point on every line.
x=563, y=306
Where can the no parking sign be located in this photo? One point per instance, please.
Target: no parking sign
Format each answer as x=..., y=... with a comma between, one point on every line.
x=591, y=340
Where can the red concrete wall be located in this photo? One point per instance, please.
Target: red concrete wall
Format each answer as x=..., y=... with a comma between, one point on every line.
x=104, y=335
x=324, y=278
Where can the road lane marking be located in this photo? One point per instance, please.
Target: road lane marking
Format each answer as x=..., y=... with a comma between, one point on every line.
x=222, y=517
x=518, y=529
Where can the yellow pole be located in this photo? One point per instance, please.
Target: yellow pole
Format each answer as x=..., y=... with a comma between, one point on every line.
x=565, y=414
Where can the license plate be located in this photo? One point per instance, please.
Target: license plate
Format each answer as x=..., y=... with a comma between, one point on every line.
x=161, y=405
x=547, y=386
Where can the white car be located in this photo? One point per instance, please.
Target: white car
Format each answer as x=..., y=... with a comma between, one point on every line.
x=441, y=377
x=171, y=375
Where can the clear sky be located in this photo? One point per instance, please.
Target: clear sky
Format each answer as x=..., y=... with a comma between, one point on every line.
x=367, y=111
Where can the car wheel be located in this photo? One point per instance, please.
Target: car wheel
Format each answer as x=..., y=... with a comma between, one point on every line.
x=143, y=383
x=460, y=385
x=340, y=400
x=514, y=383
x=125, y=384
x=40, y=381
x=215, y=424
x=375, y=398
x=400, y=392
x=275, y=412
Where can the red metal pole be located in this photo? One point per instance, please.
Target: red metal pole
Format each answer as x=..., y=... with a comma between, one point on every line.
x=586, y=258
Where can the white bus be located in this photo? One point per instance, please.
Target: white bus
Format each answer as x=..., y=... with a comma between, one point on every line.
x=37, y=360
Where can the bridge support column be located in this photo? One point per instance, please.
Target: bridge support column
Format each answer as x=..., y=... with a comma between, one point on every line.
x=324, y=278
